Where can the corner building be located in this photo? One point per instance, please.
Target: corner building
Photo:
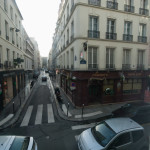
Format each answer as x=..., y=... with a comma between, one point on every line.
x=102, y=50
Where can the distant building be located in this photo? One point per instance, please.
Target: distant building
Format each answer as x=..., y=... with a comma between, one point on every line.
x=44, y=62
x=50, y=60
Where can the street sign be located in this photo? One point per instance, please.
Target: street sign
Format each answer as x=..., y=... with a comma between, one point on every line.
x=83, y=61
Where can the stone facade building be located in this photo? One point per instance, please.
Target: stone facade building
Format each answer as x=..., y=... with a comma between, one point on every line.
x=101, y=49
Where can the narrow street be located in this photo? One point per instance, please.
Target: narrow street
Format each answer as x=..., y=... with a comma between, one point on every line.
x=40, y=119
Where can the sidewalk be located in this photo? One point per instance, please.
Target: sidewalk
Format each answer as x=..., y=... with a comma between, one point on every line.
x=68, y=111
x=12, y=110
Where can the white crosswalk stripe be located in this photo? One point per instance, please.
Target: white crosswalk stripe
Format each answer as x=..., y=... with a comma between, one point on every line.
x=27, y=116
x=65, y=110
x=78, y=127
x=39, y=115
x=38, y=119
x=50, y=113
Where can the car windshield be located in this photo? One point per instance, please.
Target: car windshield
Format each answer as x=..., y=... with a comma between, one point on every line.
x=20, y=143
x=103, y=133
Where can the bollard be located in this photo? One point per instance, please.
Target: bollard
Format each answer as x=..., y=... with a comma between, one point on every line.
x=82, y=110
x=67, y=109
x=13, y=107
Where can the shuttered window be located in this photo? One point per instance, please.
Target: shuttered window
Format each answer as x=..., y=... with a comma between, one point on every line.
x=92, y=57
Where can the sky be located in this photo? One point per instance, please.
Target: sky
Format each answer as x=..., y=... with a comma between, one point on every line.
x=39, y=21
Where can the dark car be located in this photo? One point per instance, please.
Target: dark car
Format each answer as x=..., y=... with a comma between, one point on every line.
x=36, y=74
x=138, y=111
x=44, y=78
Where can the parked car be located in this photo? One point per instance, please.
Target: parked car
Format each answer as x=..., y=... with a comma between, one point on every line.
x=36, y=74
x=17, y=143
x=114, y=134
x=138, y=111
x=44, y=78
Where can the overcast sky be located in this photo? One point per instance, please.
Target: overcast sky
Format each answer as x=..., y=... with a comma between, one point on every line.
x=40, y=18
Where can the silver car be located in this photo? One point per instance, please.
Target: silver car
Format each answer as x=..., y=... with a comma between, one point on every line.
x=114, y=134
x=17, y=143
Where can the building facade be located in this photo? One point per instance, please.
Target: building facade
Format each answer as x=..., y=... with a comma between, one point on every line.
x=50, y=60
x=102, y=50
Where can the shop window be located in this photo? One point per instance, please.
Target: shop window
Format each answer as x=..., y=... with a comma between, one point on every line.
x=132, y=86
x=93, y=90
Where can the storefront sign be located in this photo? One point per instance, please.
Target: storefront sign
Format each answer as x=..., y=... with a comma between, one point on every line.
x=83, y=61
x=99, y=75
x=134, y=74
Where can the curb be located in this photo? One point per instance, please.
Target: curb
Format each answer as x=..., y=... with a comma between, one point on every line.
x=17, y=114
x=63, y=116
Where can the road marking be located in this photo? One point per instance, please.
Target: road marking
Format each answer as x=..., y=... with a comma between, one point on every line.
x=65, y=110
x=50, y=113
x=27, y=116
x=6, y=119
x=89, y=114
x=38, y=119
x=82, y=126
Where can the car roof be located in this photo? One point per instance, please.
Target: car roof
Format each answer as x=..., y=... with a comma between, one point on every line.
x=122, y=124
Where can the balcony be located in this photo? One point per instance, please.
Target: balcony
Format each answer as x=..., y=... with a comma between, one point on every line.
x=7, y=37
x=92, y=66
x=94, y=2
x=93, y=34
x=112, y=36
x=72, y=37
x=129, y=8
x=110, y=66
x=112, y=5
x=126, y=66
x=140, y=67
x=13, y=42
x=142, y=39
x=127, y=37
x=144, y=11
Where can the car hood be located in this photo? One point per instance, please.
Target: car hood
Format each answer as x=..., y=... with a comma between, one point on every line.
x=89, y=141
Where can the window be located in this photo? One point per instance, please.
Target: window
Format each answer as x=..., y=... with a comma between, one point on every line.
x=7, y=50
x=72, y=30
x=142, y=33
x=122, y=140
x=129, y=6
x=94, y=2
x=93, y=27
x=109, y=57
x=126, y=56
x=143, y=4
x=137, y=135
x=5, y=5
x=112, y=4
x=140, y=57
x=67, y=12
x=143, y=9
x=127, y=27
x=16, y=20
x=11, y=12
x=127, y=31
x=17, y=39
x=93, y=23
x=6, y=30
x=110, y=34
x=92, y=57
x=142, y=29
x=129, y=2
x=12, y=35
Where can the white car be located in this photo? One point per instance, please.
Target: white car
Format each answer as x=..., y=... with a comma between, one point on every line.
x=17, y=143
x=114, y=134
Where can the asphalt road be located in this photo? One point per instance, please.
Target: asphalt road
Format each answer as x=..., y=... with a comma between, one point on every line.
x=40, y=119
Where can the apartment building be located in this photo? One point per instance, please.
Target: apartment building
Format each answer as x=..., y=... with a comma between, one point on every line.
x=50, y=60
x=101, y=49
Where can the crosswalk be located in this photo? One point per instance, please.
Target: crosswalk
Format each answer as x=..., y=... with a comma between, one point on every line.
x=38, y=118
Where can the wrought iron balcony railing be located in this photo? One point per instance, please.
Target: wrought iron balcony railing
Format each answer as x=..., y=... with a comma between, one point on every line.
x=7, y=37
x=110, y=66
x=129, y=8
x=144, y=11
x=112, y=5
x=93, y=34
x=142, y=39
x=95, y=2
x=112, y=36
x=92, y=66
x=126, y=66
x=127, y=37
